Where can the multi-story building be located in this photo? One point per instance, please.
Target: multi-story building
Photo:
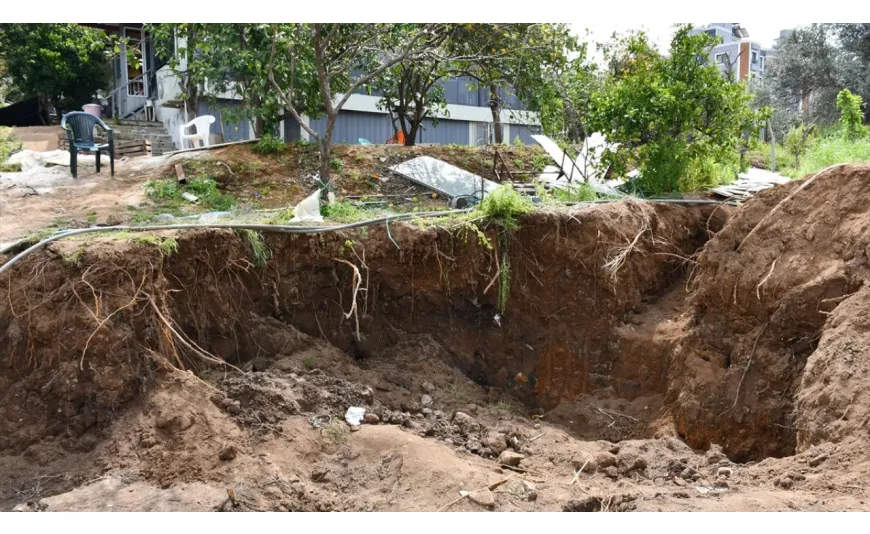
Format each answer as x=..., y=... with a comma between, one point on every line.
x=736, y=55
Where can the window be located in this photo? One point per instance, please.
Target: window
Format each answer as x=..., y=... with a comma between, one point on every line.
x=754, y=57
x=761, y=62
x=722, y=58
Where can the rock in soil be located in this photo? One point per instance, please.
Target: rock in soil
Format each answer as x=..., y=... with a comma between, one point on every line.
x=815, y=462
x=228, y=453
x=466, y=424
x=510, y=458
x=484, y=498
x=426, y=400
x=371, y=418
x=604, y=460
x=522, y=489
x=785, y=482
x=496, y=442
x=586, y=504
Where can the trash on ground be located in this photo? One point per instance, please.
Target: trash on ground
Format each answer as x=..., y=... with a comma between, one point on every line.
x=309, y=209
x=354, y=415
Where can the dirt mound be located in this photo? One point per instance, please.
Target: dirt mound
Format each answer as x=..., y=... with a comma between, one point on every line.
x=764, y=291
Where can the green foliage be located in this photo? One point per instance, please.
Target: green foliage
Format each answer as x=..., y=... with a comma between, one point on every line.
x=224, y=58
x=503, y=206
x=672, y=116
x=260, y=252
x=64, y=64
x=309, y=364
x=269, y=144
x=832, y=150
x=539, y=161
x=8, y=144
x=10, y=167
x=336, y=164
x=851, y=116
x=170, y=191
x=344, y=212
x=166, y=245
x=74, y=258
x=797, y=140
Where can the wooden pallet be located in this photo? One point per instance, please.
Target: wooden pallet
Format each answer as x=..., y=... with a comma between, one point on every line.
x=127, y=148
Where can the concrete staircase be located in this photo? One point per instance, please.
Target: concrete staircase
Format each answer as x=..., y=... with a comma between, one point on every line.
x=154, y=131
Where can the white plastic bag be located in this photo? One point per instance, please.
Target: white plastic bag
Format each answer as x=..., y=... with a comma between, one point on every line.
x=309, y=209
x=354, y=415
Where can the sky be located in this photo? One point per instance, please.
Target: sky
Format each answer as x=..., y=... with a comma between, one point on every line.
x=763, y=30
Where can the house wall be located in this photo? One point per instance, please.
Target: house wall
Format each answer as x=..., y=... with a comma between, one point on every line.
x=447, y=132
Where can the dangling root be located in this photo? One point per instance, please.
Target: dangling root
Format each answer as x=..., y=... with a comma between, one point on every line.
x=357, y=282
x=190, y=345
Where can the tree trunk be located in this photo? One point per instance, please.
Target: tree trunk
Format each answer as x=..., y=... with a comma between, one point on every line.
x=495, y=107
x=411, y=135
x=772, y=146
x=805, y=104
x=326, y=150
x=259, y=124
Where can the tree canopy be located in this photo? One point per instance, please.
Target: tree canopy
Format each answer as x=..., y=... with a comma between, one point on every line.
x=64, y=65
x=674, y=117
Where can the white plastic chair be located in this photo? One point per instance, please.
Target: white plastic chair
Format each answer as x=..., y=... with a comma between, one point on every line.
x=203, y=126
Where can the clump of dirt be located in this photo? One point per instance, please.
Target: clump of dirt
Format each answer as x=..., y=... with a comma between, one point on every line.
x=765, y=288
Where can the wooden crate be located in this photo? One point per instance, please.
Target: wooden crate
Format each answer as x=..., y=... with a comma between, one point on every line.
x=125, y=148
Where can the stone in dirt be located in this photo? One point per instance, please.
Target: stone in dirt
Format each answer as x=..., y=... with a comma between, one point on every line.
x=466, y=424
x=785, y=482
x=628, y=462
x=228, y=453
x=320, y=474
x=815, y=462
x=522, y=489
x=426, y=400
x=586, y=504
x=724, y=472
x=371, y=418
x=428, y=387
x=510, y=458
x=484, y=498
x=611, y=471
x=495, y=441
x=604, y=460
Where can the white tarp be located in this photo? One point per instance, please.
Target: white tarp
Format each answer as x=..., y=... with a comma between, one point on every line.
x=443, y=177
x=308, y=210
x=571, y=170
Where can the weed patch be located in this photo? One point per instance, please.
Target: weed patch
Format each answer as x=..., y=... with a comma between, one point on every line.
x=169, y=193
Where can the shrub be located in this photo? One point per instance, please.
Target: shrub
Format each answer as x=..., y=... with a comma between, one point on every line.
x=851, y=116
x=504, y=205
x=269, y=144
x=204, y=189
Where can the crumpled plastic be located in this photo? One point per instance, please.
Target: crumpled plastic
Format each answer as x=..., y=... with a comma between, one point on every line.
x=354, y=415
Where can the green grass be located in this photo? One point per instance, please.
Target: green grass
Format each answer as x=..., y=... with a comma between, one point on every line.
x=345, y=212
x=504, y=206
x=169, y=192
x=260, y=252
x=8, y=144
x=166, y=245
x=309, y=364
x=829, y=151
x=269, y=144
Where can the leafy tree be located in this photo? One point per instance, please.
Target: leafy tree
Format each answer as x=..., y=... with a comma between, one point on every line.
x=64, y=65
x=333, y=54
x=855, y=65
x=675, y=117
x=804, y=72
x=225, y=58
x=513, y=58
x=565, y=99
x=412, y=91
x=851, y=116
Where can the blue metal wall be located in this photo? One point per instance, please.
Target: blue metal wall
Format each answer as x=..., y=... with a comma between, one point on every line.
x=351, y=125
x=447, y=132
x=524, y=133
x=233, y=131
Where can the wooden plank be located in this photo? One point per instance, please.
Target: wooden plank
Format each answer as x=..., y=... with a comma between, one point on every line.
x=179, y=173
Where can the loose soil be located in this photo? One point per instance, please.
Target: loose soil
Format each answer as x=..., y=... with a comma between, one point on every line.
x=648, y=357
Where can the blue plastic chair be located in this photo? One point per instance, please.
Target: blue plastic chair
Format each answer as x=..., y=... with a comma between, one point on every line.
x=79, y=128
